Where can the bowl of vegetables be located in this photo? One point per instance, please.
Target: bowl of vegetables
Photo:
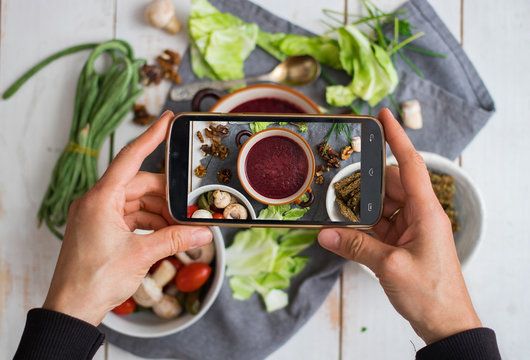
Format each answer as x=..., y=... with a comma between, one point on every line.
x=219, y=202
x=176, y=293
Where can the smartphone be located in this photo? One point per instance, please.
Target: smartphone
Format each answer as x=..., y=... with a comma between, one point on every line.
x=272, y=170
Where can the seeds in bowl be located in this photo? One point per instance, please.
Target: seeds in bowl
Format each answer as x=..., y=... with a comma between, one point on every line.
x=444, y=188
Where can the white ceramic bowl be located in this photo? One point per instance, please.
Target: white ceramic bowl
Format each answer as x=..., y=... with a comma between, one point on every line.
x=331, y=205
x=146, y=324
x=467, y=202
x=194, y=196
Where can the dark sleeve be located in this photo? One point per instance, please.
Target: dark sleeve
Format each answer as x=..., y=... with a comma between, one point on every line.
x=474, y=344
x=53, y=335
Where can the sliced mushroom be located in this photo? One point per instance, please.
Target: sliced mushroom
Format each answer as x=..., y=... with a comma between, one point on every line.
x=164, y=273
x=221, y=199
x=235, y=211
x=148, y=293
x=356, y=144
x=412, y=114
x=202, y=214
x=203, y=254
x=168, y=307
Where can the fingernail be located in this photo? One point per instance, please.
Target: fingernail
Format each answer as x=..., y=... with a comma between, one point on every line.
x=330, y=239
x=200, y=237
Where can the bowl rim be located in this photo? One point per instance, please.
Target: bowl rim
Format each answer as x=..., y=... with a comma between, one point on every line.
x=210, y=297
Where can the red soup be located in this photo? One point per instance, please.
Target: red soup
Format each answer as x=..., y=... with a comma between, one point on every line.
x=268, y=105
x=276, y=167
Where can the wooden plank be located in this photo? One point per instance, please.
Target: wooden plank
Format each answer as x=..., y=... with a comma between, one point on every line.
x=34, y=127
x=365, y=305
x=497, y=273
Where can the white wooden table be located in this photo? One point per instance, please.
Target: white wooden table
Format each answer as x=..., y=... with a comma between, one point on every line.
x=35, y=123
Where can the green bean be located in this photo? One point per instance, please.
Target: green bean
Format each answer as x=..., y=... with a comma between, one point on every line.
x=71, y=50
x=102, y=100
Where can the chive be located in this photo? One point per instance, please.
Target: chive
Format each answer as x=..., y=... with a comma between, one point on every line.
x=406, y=41
x=424, y=51
x=410, y=63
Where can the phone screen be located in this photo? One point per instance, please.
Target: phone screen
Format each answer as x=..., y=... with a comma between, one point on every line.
x=272, y=169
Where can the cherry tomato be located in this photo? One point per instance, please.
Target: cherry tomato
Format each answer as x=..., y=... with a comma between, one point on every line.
x=191, y=210
x=191, y=277
x=176, y=263
x=215, y=209
x=218, y=216
x=126, y=308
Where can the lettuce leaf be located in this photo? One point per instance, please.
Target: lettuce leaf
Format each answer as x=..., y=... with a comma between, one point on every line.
x=264, y=260
x=374, y=75
x=221, y=42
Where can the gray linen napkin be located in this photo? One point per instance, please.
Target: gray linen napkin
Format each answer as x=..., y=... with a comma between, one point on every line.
x=455, y=106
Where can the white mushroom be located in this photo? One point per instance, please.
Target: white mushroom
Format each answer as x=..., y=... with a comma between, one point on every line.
x=202, y=214
x=148, y=293
x=164, y=273
x=221, y=199
x=356, y=144
x=235, y=211
x=412, y=114
x=203, y=254
x=168, y=307
x=233, y=200
x=161, y=14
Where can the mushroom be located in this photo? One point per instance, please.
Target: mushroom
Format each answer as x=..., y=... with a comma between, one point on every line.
x=203, y=254
x=202, y=214
x=161, y=14
x=235, y=211
x=221, y=199
x=233, y=200
x=356, y=144
x=164, y=273
x=168, y=307
x=412, y=114
x=148, y=293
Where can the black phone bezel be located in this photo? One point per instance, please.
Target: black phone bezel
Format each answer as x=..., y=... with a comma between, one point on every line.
x=372, y=167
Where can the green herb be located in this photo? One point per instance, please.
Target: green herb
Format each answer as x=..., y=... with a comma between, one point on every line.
x=262, y=125
x=363, y=329
x=102, y=100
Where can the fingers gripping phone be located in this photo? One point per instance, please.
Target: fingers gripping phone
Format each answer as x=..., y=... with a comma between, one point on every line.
x=275, y=170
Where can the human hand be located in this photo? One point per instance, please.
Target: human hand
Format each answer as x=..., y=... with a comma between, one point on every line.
x=102, y=262
x=413, y=253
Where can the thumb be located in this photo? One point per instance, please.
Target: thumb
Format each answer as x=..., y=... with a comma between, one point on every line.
x=173, y=239
x=355, y=245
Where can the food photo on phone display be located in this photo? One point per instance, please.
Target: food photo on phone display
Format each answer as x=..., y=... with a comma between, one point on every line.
x=304, y=169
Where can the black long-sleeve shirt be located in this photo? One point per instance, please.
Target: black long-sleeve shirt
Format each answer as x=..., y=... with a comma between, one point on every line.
x=52, y=335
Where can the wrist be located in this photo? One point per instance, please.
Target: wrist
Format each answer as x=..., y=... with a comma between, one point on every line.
x=82, y=310
x=446, y=326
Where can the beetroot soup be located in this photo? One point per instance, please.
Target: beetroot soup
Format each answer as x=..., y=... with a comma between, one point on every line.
x=267, y=105
x=276, y=167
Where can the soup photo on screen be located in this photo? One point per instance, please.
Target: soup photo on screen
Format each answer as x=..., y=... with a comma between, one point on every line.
x=275, y=171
